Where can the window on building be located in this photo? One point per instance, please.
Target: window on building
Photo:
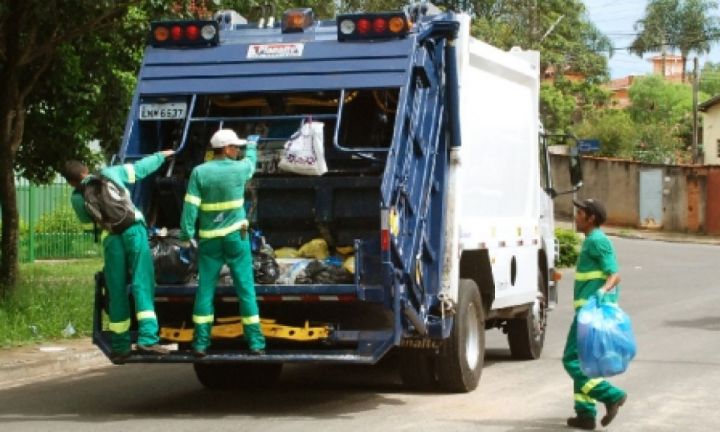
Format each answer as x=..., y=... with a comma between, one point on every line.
x=717, y=148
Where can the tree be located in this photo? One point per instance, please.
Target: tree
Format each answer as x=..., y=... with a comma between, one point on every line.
x=568, y=43
x=662, y=112
x=710, y=79
x=617, y=132
x=35, y=36
x=685, y=25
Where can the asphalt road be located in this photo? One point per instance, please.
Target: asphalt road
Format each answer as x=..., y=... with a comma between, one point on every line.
x=671, y=290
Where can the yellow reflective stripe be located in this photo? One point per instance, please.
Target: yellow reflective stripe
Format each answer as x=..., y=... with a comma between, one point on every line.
x=120, y=327
x=221, y=232
x=586, y=276
x=104, y=234
x=591, y=384
x=219, y=206
x=146, y=315
x=579, y=397
x=203, y=319
x=255, y=319
x=130, y=173
x=88, y=226
x=192, y=199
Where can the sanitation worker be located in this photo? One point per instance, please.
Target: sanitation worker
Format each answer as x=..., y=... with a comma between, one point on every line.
x=596, y=269
x=127, y=253
x=215, y=195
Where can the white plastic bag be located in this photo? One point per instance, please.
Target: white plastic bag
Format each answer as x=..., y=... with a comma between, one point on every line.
x=304, y=153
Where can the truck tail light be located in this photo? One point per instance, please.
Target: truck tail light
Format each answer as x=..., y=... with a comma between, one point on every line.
x=384, y=240
x=183, y=33
x=380, y=26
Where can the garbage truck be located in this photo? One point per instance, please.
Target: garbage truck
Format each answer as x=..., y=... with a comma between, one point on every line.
x=437, y=190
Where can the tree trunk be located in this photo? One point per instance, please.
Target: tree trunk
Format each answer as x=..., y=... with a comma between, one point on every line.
x=12, y=124
x=9, y=243
x=684, y=60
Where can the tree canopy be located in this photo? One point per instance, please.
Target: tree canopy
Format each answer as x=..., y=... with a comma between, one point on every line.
x=683, y=25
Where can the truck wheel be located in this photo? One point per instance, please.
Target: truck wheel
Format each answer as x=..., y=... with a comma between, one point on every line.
x=526, y=335
x=462, y=356
x=237, y=375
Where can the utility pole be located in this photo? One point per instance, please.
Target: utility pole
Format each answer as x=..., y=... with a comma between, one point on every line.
x=695, y=87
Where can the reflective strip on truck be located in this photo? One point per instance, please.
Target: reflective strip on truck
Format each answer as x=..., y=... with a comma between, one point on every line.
x=298, y=298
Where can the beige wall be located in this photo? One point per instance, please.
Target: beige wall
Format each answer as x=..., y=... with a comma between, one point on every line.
x=711, y=135
x=617, y=184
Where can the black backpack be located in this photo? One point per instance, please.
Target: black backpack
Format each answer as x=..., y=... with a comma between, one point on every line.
x=108, y=204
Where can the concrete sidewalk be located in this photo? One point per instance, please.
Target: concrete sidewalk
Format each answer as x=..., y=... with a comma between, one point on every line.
x=24, y=365
x=20, y=366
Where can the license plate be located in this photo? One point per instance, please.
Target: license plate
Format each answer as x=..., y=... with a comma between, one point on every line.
x=163, y=111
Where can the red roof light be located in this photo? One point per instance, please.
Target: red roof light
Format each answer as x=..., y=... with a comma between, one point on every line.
x=176, y=33
x=379, y=25
x=363, y=26
x=192, y=32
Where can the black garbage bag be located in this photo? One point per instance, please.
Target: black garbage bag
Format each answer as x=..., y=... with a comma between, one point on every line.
x=266, y=268
x=173, y=263
x=319, y=272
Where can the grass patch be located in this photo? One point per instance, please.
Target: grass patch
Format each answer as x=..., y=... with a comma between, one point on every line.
x=49, y=295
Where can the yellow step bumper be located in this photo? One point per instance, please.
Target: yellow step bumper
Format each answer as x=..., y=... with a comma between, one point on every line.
x=231, y=327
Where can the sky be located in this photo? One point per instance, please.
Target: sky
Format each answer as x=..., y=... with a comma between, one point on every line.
x=616, y=19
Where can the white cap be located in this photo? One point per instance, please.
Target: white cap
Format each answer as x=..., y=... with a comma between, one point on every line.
x=226, y=137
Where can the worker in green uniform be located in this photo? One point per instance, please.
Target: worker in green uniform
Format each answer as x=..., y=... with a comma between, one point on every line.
x=125, y=253
x=596, y=274
x=215, y=194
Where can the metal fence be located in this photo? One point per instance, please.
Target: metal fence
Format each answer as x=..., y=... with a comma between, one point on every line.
x=49, y=228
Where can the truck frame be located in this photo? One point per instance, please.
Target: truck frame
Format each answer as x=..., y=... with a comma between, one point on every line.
x=438, y=182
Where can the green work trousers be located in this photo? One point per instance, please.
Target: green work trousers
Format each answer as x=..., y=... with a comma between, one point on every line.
x=587, y=390
x=126, y=254
x=234, y=251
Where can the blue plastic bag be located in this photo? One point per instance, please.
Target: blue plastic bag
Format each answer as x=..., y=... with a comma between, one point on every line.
x=605, y=339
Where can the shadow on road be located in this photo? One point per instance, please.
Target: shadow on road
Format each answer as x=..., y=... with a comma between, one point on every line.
x=172, y=391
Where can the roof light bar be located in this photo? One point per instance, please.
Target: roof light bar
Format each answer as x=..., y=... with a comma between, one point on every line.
x=193, y=33
x=378, y=26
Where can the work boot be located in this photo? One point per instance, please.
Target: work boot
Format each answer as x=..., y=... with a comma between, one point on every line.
x=154, y=349
x=119, y=357
x=199, y=353
x=581, y=422
x=257, y=351
x=612, y=410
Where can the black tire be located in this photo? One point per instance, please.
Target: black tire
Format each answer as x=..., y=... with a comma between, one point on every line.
x=462, y=356
x=237, y=375
x=526, y=335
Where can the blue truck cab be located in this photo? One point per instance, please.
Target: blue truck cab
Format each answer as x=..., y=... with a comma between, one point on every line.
x=437, y=187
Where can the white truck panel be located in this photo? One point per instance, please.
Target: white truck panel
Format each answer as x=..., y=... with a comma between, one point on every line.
x=501, y=202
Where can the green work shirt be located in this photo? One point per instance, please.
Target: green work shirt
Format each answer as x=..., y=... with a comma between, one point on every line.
x=596, y=262
x=124, y=175
x=215, y=194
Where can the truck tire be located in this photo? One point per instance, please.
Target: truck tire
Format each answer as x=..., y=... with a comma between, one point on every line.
x=526, y=335
x=237, y=375
x=462, y=356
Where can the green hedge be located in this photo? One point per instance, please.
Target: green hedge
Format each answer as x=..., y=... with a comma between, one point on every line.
x=569, y=247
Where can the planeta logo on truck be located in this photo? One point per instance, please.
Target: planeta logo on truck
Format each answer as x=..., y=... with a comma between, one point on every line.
x=283, y=50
